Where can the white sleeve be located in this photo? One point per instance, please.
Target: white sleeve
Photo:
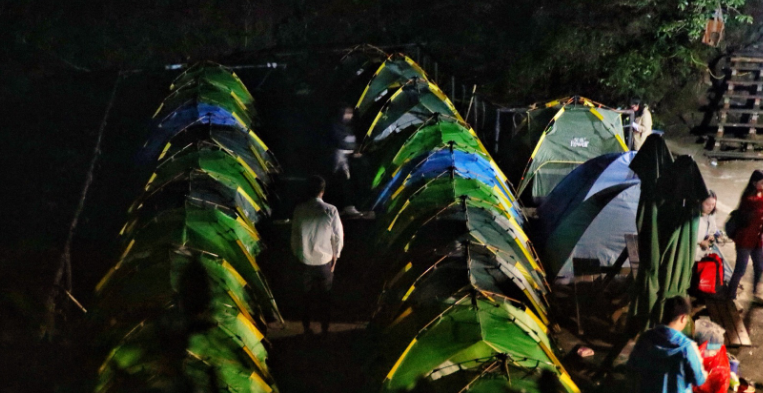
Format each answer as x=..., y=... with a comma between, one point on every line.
x=337, y=234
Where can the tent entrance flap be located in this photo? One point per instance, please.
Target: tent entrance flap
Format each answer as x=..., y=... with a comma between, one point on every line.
x=550, y=174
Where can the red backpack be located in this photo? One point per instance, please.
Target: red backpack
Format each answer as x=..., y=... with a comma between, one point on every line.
x=707, y=279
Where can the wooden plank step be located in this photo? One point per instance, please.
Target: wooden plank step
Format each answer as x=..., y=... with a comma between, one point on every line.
x=744, y=83
x=742, y=95
x=746, y=59
x=743, y=70
x=740, y=65
x=739, y=140
x=747, y=125
x=742, y=111
x=744, y=337
x=720, y=315
x=749, y=155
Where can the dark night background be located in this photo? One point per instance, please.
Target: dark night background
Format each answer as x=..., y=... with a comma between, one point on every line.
x=59, y=62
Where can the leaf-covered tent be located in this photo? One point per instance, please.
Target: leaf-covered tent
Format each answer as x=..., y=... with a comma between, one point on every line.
x=219, y=76
x=588, y=214
x=578, y=132
x=667, y=220
x=437, y=132
x=198, y=102
x=186, y=305
x=472, y=331
x=411, y=105
x=247, y=147
x=428, y=273
x=434, y=195
x=221, y=167
x=393, y=73
x=448, y=229
x=447, y=162
x=355, y=68
x=209, y=94
x=482, y=223
x=209, y=230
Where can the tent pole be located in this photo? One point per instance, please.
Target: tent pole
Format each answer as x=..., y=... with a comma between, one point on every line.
x=497, y=130
x=471, y=101
x=619, y=262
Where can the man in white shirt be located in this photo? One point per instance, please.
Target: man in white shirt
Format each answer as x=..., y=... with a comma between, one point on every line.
x=317, y=239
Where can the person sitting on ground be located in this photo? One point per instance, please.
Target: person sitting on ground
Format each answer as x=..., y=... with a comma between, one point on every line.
x=664, y=359
x=317, y=239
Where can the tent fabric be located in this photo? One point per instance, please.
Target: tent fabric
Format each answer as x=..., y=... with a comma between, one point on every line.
x=410, y=106
x=514, y=153
x=354, y=70
x=469, y=331
x=235, y=143
x=576, y=133
x=667, y=221
x=447, y=162
x=203, y=104
x=436, y=132
x=186, y=304
x=219, y=76
x=588, y=214
x=593, y=230
x=480, y=223
x=392, y=74
x=459, y=263
x=449, y=231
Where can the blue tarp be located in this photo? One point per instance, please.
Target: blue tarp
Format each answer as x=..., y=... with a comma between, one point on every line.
x=440, y=163
x=604, y=194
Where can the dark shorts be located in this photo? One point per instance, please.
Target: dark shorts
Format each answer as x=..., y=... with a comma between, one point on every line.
x=317, y=277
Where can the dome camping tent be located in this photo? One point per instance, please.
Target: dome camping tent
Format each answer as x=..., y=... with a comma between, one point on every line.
x=588, y=214
x=579, y=130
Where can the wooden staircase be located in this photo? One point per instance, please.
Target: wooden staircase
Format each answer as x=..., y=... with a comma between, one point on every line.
x=737, y=136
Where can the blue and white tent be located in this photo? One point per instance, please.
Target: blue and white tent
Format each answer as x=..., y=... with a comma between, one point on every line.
x=588, y=213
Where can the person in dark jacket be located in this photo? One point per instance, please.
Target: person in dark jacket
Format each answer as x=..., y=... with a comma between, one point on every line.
x=344, y=145
x=748, y=239
x=664, y=360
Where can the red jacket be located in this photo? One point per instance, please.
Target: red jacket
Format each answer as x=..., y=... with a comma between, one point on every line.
x=750, y=235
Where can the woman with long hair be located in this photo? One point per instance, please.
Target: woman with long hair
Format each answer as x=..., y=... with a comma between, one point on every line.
x=748, y=239
x=707, y=226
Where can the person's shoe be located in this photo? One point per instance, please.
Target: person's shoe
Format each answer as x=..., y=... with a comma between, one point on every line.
x=350, y=211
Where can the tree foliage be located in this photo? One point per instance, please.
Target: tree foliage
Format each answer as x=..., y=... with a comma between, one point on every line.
x=517, y=51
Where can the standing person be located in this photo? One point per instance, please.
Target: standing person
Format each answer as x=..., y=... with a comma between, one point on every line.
x=317, y=239
x=748, y=237
x=642, y=123
x=344, y=144
x=707, y=226
x=664, y=360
